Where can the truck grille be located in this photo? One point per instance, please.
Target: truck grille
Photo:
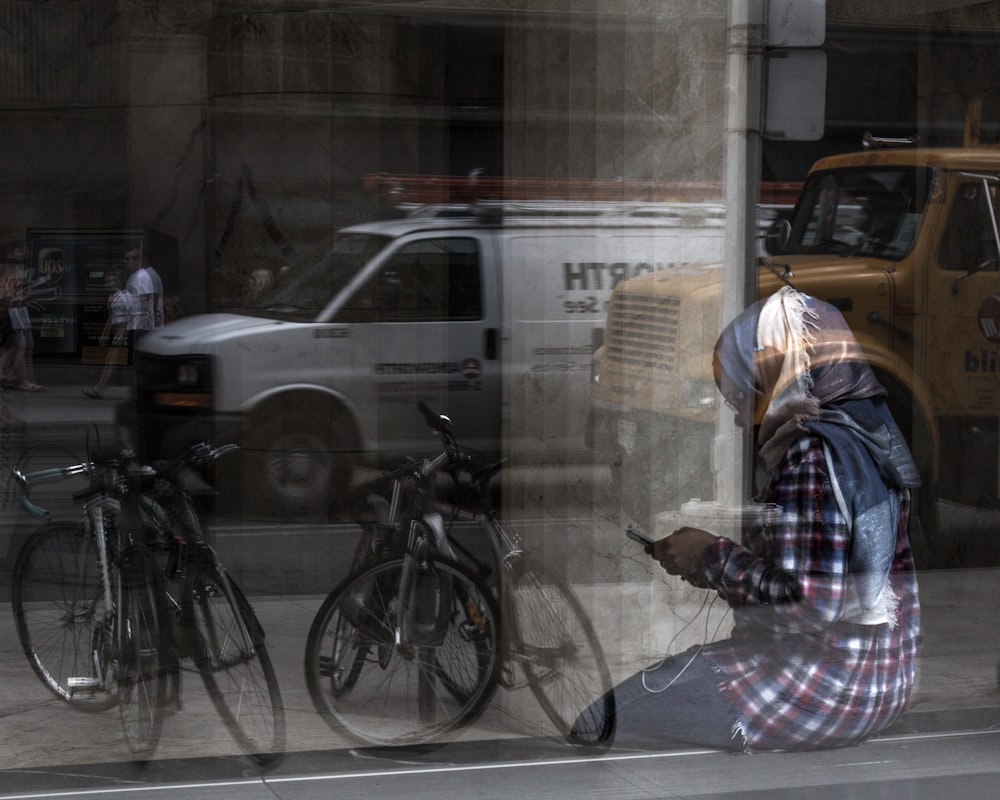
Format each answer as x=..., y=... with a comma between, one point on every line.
x=642, y=331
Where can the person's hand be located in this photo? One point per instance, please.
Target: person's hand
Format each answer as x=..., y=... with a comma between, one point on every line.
x=681, y=553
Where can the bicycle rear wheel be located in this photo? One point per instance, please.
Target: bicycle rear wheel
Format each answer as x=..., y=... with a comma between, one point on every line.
x=379, y=690
x=57, y=600
x=227, y=644
x=554, y=640
x=141, y=675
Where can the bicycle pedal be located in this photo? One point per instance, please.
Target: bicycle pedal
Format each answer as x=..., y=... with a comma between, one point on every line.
x=472, y=632
x=83, y=683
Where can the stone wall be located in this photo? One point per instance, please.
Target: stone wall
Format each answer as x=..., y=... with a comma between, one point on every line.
x=151, y=114
x=145, y=113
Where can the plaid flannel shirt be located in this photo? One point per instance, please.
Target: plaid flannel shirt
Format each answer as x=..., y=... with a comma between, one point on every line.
x=800, y=675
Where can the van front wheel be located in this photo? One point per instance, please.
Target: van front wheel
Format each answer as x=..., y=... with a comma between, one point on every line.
x=298, y=464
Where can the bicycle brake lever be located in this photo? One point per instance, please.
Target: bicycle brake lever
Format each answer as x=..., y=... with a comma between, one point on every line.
x=198, y=453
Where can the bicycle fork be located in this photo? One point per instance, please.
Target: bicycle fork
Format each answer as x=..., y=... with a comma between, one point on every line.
x=105, y=628
x=427, y=595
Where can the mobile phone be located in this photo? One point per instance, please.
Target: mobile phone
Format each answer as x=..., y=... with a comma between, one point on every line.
x=637, y=535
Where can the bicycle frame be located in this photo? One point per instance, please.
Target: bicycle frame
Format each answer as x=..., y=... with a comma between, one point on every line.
x=95, y=512
x=505, y=547
x=411, y=601
x=115, y=493
x=178, y=530
x=427, y=535
x=130, y=514
x=94, y=526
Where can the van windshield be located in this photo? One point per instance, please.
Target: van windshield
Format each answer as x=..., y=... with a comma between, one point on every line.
x=300, y=292
x=871, y=211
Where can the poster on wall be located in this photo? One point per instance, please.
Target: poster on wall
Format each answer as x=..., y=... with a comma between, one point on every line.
x=65, y=279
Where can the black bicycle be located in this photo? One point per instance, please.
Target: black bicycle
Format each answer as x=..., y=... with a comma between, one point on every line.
x=416, y=640
x=107, y=609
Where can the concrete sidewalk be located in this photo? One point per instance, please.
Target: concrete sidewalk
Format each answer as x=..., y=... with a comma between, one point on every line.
x=60, y=415
x=637, y=614
x=957, y=682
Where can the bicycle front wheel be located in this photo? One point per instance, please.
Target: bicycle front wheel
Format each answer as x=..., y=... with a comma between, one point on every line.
x=58, y=604
x=229, y=651
x=375, y=687
x=142, y=677
x=554, y=640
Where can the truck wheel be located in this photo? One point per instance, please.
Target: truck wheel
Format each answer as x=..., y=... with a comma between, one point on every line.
x=299, y=463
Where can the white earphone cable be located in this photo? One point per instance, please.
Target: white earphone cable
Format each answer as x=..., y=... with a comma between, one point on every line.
x=704, y=603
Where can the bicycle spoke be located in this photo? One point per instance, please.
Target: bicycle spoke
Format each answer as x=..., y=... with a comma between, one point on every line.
x=555, y=643
x=236, y=669
x=378, y=690
x=141, y=678
x=57, y=605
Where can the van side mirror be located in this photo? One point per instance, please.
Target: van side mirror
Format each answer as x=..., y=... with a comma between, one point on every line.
x=777, y=236
x=597, y=339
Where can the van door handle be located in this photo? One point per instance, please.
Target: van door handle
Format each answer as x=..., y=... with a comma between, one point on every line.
x=490, y=344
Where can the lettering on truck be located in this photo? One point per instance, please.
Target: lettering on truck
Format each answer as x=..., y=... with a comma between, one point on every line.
x=422, y=368
x=601, y=277
x=470, y=370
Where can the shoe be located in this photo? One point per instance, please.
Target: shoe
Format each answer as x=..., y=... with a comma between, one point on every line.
x=91, y=392
x=29, y=387
x=171, y=703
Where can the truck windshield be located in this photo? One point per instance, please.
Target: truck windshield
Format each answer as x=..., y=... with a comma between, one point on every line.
x=302, y=291
x=872, y=211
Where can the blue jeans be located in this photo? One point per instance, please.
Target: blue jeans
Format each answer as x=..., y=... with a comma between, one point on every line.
x=676, y=702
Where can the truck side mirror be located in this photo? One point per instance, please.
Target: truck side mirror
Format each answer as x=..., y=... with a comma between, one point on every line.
x=777, y=236
x=991, y=264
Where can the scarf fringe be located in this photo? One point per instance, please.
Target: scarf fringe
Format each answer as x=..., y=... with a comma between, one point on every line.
x=787, y=325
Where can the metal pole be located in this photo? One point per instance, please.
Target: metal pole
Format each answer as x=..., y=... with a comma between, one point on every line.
x=745, y=82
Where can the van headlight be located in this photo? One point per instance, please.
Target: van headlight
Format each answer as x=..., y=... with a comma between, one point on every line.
x=190, y=374
x=701, y=395
x=179, y=383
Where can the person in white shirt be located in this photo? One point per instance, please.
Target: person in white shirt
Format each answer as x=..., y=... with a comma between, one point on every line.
x=17, y=362
x=146, y=289
x=115, y=334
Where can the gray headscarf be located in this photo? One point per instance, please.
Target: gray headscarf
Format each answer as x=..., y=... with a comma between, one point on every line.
x=799, y=353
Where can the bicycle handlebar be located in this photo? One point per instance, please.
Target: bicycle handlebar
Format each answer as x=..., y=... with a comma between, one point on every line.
x=196, y=455
x=201, y=453
x=436, y=422
x=454, y=457
x=26, y=479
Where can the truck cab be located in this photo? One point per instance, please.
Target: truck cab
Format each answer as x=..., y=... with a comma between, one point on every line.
x=905, y=243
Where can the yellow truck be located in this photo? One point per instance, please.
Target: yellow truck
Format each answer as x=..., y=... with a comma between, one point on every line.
x=905, y=243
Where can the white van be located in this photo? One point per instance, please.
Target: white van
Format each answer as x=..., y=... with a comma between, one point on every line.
x=490, y=317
